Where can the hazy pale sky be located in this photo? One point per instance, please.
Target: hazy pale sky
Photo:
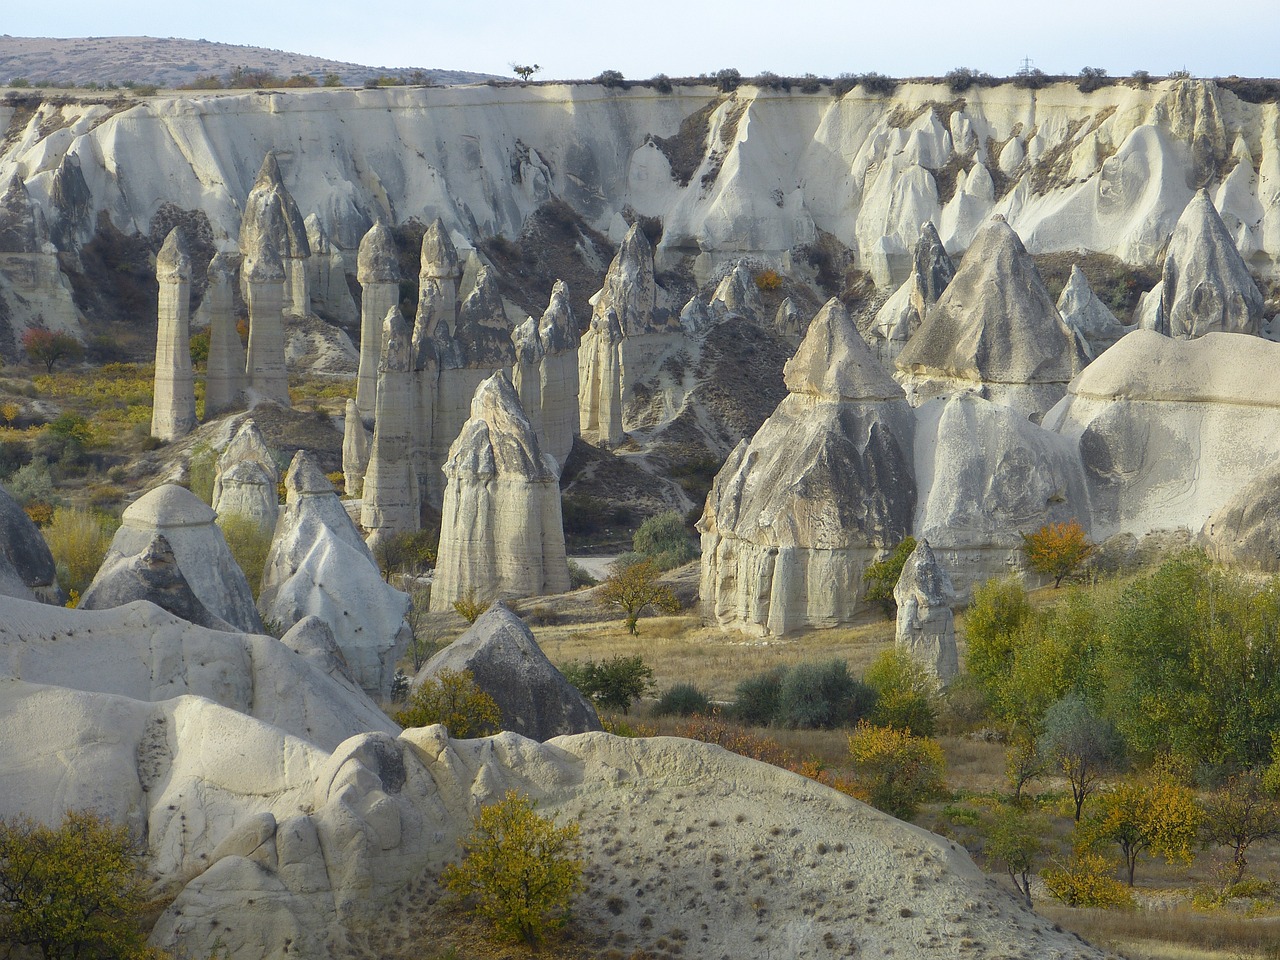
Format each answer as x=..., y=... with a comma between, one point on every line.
x=574, y=40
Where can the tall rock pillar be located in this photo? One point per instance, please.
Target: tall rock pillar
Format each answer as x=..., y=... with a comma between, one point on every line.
x=391, y=502
x=558, y=333
x=173, y=412
x=224, y=372
x=378, y=271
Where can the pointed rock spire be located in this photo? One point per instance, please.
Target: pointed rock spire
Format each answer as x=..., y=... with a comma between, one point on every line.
x=355, y=451
x=391, y=503
x=558, y=331
x=1206, y=286
x=378, y=272
x=931, y=270
x=629, y=288
x=926, y=628
x=1088, y=316
x=834, y=362
x=173, y=412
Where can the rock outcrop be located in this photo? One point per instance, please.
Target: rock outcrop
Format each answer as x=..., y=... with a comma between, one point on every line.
x=272, y=218
x=173, y=412
x=264, y=280
x=1171, y=430
x=27, y=570
x=1245, y=530
x=246, y=479
x=378, y=272
x=994, y=332
x=355, y=451
x=438, y=273
x=526, y=374
x=154, y=576
x=319, y=566
x=824, y=486
x=501, y=529
x=187, y=523
x=558, y=334
x=33, y=290
x=1088, y=316
x=1206, y=287
x=327, y=276
x=926, y=628
x=391, y=501
x=478, y=345
x=505, y=661
x=901, y=315
x=224, y=378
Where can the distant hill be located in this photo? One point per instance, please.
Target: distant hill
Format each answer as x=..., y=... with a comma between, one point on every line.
x=173, y=62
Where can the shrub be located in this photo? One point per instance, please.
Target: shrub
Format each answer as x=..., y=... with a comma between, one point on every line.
x=1085, y=880
x=202, y=467
x=76, y=890
x=469, y=608
x=810, y=83
x=756, y=699
x=614, y=684
x=767, y=280
x=728, y=79
x=843, y=84
x=610, y=78
x=410, y=551
x=32, y=483
x=249, y=544
x=961, y=79
x=877, y=84
x=1056, y=549
x=1141, y=79
x=682, y=700
x=519, y=869
x=1032, y=79
x=634, y=588
x=712, y=729
x=332, y=80
x=882, y=576
x=1091, y=79
x=452, y=698
x=895, y=771
x=78, y=540
x=906, y=694
x=821, y=695
x=664, y=541
x=660, y=82
x=1015, y=839
x=579, y=577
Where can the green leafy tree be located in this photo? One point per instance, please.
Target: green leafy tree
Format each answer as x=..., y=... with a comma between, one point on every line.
x=72, y=892
x=525, y=71
x=1155, y=813
x=664, y=541
x=1057, y=549
x=1080, y=744
x=1239, y=814
x=992, y=627
x=519, y=870
x=452, y=698
x=613, y=684
x=882, y=576
x=1016, y=840
x=895, y=771
x=907, y=695
x=634, y=589
x=46, y=347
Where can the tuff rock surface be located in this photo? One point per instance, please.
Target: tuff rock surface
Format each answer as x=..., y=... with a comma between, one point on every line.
x=173, y=412
x=378, y=272
x=926, y=628
x=505, y=661
x=1088, y=316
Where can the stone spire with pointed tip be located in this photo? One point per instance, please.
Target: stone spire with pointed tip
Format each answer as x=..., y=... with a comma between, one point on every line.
x=271, y=214
x=1206, y=287
x=558, y=333
x=327, y=276
x=173, y=413
x=526, y=373
x=264, y=282
x=501, y=531
x=391, y=501
x=224, y=371
x=247, y=478
x=1088, y=316
x=437, y=315
x=926, y=629
x=355, y=451
x=931, y=271
x=378, y=271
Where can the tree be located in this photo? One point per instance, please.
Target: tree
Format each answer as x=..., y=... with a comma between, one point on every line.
x=613, y=684
x=1023, y=762
x=999, y=610
x=1157, y=814
x=895, y=771
x=452, y=698
x=1015, y=838
x=524, y=71
x=72, y=891
x=664, y=540
x=907, y=694
x=882, y=576
x=1056, y=549
x=728, y=79
x=1080, y=744
x=1238, y=814
x=45, y=346
x=520, y=870
x=634, y=589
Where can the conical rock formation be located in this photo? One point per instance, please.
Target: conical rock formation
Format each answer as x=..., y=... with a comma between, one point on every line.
x=378, y=272
x=926, y=628
x=173, y=412
x=1088, y=316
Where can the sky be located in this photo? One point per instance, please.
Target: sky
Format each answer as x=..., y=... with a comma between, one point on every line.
x=575, y=40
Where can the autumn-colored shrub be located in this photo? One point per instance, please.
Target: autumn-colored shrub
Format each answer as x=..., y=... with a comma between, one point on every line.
x=1056, y=549
x=78, y=539
x=452, y=698
x=894, y=770
x=768, y=279
x=1085, y=880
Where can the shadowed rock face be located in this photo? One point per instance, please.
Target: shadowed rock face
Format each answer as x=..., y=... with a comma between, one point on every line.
x=1088, y=316
x=932, y=270
x=926, y=630
x=994, y=330
x=629, y=289
x=1206, y=287
x=825, y=484
x=152, y=575
x=19, y=220
x=501, y=530
x=558, y=374
x=29, y=572
x=506, y=662
x=225, y=371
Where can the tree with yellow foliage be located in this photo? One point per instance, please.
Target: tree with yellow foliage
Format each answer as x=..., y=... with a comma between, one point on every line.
x=1157, y=815
x=893, y=770
x=635, y=587
x=519, y=869
x=452, y=698
x=1056, y=549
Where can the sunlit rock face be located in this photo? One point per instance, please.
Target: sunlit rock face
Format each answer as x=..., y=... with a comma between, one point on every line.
x=173, y=412
x=501, y=529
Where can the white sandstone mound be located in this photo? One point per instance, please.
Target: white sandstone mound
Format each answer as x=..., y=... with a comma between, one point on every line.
x=187, y=522
x=153, y=576
x=1245, y=530
x=173, y=413
x=994, y=332
x=505, y=661
x=319, y=566
x=1206, y=287
x=824, y=486
x=378, y=272
x=986, y=475
x=1088, y=316
x=501, y=529
x=1171, y=430
x=246, y=480
x=327, y=276
x=926, y=628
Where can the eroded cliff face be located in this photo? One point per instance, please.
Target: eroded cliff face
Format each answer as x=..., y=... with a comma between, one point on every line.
x=753, y=172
